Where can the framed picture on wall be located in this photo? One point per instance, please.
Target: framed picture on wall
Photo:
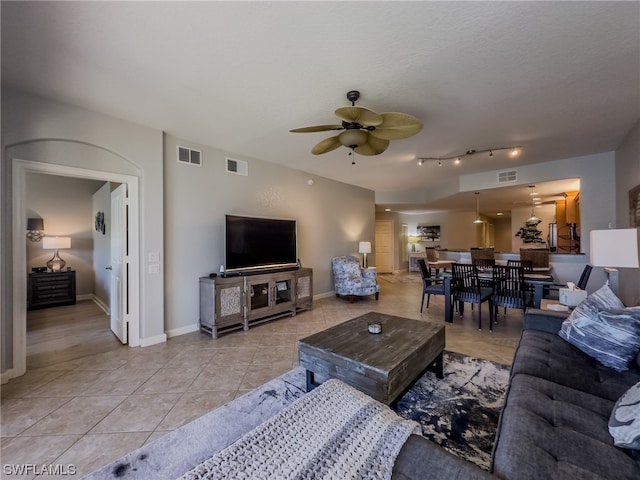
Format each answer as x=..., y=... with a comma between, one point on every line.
x=429, y=233
x=634, y=207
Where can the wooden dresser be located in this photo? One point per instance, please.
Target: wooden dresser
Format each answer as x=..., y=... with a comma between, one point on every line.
x=51, y=289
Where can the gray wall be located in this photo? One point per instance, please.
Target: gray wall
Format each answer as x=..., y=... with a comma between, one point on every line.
x=40, y=130
x=331, y=218
x=627, y=177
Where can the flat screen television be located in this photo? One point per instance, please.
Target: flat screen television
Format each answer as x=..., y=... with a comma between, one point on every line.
x=254, y=244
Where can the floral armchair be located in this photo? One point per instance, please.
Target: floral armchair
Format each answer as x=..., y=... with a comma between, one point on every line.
x=351, y=280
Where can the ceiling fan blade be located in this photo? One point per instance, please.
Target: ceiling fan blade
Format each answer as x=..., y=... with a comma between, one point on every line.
x=395, y=126
x=326, y=145
x=360, y=115
x=374, y=146
x=317, y=128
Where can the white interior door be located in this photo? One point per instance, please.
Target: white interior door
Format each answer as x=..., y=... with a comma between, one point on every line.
x=384, y=246
x=119, y=317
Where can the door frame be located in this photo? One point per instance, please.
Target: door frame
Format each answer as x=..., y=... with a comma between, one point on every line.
x=19, y=250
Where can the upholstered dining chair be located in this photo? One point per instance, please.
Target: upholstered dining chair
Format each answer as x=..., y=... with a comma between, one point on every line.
x=527, y=265
x=430, y=284
x=509, y=290
x=466, y=288
x=539, y=257
x=482, y=253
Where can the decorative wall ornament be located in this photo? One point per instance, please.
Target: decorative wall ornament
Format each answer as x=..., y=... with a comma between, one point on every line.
x=100, y=226
x=530, y=233
x=269, y=198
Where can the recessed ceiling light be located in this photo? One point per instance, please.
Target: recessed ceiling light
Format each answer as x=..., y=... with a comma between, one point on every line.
x=499, y=213
x=387, y=209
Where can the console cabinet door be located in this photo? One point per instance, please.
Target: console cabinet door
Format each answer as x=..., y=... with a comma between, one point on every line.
x=304, y=288
x=268, y=295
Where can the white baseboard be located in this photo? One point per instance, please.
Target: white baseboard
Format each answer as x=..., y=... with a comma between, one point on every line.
x=147, y=342
x=182, y=330
x=6, y=376
x=104, y=307
x=86, y=296
x=325, y=295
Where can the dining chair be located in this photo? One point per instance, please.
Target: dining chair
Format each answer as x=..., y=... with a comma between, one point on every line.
x=484, y=253
x=509, y=290
x=430, y=285
x=539, y=257
x=527, y=265
x=466, y=288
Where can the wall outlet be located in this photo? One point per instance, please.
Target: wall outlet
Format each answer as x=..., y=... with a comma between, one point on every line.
x=154, y=268
x=154, y=257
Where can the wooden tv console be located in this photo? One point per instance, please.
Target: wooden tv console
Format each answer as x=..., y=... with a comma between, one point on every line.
x=239, y=302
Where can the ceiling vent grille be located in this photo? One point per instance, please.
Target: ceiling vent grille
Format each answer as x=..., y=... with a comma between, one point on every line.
x=508, y=176
x=239, y=167
x=189, y=156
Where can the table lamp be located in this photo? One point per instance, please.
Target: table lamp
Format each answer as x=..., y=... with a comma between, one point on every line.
x=614, y=248
x=364, y=248
x=413, y=240
x=56, y=264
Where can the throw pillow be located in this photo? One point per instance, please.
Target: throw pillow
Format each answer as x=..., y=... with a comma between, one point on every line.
x=624, y=424
x=611, y=337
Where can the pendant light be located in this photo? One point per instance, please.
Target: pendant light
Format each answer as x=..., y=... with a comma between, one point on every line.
x=533, y=217
x=478, y=219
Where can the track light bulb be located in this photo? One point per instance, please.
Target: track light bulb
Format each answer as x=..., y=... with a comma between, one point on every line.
x=490, y=154
x=421, y=162
x=457, y=161
x=439, y=163
x=514, y=153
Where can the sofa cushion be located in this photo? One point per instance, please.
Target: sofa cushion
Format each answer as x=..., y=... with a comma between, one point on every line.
x=548, y=430
x=547, y=356
x=624, y=424
x=612, y=337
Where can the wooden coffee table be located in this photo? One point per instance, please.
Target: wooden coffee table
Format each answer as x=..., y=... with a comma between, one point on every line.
x=382, y=365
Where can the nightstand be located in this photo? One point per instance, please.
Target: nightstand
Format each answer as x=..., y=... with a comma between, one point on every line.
x=51, y=289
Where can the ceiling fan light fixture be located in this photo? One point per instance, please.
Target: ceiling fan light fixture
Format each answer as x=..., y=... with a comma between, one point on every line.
x=353, y=138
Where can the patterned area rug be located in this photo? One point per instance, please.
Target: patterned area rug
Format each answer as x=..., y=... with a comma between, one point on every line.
x=459, y=412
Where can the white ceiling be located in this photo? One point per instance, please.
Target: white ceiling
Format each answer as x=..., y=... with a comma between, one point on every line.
x=560, y=79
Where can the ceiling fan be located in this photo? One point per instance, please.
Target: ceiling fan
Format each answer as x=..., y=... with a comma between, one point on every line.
x=365, y=131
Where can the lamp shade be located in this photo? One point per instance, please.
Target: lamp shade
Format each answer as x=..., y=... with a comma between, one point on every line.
x=364, y=247
x=35, y=224
x=55, y=243
x=617, y=248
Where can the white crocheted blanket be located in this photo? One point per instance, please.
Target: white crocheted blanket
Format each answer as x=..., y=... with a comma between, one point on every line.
x=333, y=432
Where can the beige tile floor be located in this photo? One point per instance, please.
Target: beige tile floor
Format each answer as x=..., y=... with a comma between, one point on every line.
x=87, y=400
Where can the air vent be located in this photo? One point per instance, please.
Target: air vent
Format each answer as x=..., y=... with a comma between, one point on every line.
x=189, y=156
x=508, y=176
x=239, y=167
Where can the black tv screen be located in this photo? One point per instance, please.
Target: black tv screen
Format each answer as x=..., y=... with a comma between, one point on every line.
x=259, y=243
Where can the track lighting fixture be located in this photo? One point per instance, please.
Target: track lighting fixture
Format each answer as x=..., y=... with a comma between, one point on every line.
x=457, y=159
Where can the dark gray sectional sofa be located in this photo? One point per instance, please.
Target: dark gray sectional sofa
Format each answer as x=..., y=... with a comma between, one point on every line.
x=554, y=424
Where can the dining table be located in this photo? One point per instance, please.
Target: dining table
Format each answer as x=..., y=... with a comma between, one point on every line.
x=537, y=281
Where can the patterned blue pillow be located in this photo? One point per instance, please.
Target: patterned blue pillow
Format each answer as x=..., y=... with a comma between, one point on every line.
x=624, y=423
x=611, y=337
